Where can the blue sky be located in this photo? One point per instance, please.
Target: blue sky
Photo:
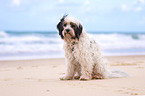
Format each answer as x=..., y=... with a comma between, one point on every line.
x=95, y=15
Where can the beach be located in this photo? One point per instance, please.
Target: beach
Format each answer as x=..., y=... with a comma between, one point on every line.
x=40, y=77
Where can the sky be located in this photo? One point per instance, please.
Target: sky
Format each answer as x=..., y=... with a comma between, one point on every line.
x=94, y=15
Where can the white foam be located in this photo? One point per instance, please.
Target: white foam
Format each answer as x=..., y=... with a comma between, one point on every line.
x=112, y=44
x=119, y=41
x=3, y=34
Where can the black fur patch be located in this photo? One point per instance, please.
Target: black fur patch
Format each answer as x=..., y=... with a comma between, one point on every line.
x=60, y=26
x=78, y=30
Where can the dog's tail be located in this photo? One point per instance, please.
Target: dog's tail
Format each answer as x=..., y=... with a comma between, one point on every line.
x=116, y=73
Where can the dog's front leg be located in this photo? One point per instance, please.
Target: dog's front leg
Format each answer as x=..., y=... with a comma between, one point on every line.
x=86, y=71
x=70, y=71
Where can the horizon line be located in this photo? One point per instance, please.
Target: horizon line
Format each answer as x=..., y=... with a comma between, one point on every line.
x=53, y=31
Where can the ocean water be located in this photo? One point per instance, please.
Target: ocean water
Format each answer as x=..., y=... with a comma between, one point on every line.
x=16, y=45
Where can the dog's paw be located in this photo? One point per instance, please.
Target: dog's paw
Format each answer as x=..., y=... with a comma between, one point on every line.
x=84, y=78
x=76, y=76
x=97, y=77
x=66, y=78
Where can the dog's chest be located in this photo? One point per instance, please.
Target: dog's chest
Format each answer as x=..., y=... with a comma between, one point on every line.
x=79, y=48
x=73, y=47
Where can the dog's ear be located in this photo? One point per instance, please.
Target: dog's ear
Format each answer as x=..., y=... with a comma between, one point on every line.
x=78, y=31
x=60, y=28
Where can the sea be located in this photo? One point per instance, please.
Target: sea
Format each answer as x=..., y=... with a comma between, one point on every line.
x=23, y=45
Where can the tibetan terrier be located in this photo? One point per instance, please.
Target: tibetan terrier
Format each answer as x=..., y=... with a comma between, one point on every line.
x=84, y=59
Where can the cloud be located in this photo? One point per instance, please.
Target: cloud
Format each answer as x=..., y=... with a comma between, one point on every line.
x=87, y=6
x=125, y=7
x=87, y=3
x=142, y=2
x=137, y=9
x=61, y=1
x=136, y=6
x=16, y=2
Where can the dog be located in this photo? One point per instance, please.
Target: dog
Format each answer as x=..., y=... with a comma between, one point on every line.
x=84, y=59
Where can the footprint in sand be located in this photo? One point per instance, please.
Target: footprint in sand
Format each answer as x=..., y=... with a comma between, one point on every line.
x=47, y=90
x=7, y=79
x=54, y=66
x=20, y=68
x=131, y=91
x=42, y=80
x=124, y=64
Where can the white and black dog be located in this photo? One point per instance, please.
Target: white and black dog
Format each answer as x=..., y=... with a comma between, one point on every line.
x=84, y=59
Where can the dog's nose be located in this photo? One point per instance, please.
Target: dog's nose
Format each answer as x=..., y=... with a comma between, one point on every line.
x=67, y=30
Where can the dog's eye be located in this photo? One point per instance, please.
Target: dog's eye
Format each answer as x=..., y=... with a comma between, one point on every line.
x=64, y=25
x=72, y=26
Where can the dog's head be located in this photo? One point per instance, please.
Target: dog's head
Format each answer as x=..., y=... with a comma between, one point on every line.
x=69, y=28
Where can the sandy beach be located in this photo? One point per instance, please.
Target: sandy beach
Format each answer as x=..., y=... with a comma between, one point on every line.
x=41, y=78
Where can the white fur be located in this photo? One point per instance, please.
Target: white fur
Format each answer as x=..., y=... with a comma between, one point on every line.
x=84, y=59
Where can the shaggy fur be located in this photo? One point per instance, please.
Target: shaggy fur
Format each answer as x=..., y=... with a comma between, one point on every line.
x=84, y=59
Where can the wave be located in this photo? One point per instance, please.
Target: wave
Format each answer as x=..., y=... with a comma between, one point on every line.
x=120, y=41
x=50, y=43
x=3, y=34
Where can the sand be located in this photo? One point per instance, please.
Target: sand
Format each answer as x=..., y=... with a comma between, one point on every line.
x=41, y=78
